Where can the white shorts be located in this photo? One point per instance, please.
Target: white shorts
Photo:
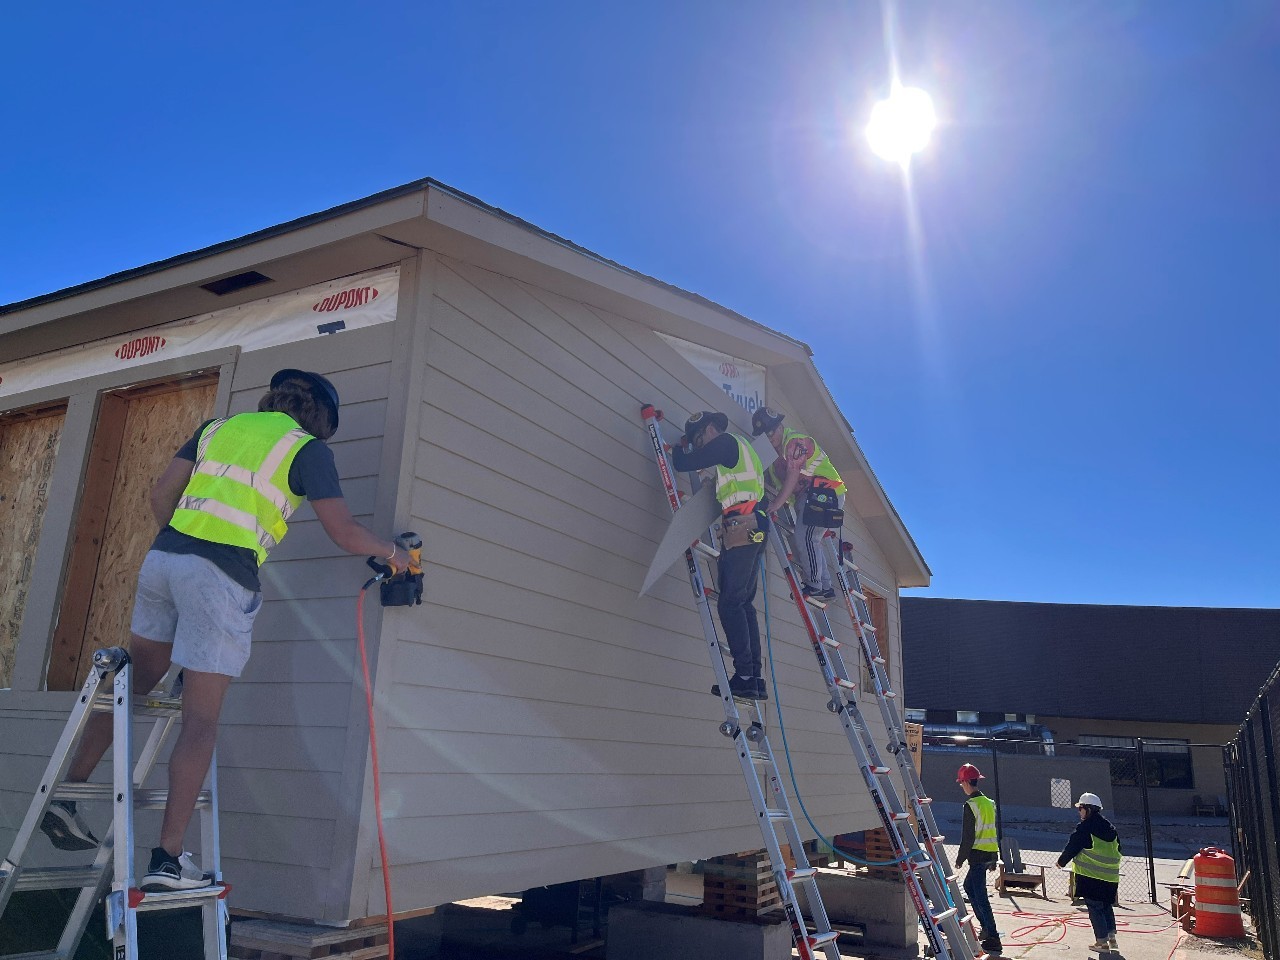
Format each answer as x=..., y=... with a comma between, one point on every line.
x=189, y=602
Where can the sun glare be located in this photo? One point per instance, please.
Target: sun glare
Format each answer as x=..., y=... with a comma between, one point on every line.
x=902, y=124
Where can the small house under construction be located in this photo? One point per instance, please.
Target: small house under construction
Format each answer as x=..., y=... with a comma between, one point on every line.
x=538, y=721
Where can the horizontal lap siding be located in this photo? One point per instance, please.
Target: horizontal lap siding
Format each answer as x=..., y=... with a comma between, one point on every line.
x=284, y=734
x=546, y=723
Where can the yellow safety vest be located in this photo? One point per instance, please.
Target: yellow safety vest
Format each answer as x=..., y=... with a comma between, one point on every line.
x=819, y=464
x=1100, y=861
x=984, y=823
x=239, y=491
x=742, y=483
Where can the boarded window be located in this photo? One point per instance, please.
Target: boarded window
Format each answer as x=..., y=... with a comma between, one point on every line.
x=879, y=611
x=28, y=446
x=136, y=435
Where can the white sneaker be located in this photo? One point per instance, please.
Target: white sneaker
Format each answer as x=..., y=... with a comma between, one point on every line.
x=173, y=873
x=1100, y=946
x=1111, y=942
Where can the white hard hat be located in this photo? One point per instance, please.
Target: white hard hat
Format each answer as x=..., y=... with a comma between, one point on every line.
x=1089, y=799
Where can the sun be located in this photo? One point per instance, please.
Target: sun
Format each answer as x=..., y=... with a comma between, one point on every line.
x=902, y=124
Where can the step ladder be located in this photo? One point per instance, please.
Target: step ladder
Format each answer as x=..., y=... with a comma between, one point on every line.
x=112, y=872
x=744, y=725
x=926, y=869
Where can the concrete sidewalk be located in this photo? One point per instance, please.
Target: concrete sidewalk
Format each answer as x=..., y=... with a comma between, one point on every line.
x=1031, y=927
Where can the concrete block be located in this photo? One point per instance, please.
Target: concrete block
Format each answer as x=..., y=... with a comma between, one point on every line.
x=881, y=907
x=642, y=931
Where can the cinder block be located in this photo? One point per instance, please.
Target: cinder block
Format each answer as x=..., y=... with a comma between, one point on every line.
x=642, y=931
x=881, y=907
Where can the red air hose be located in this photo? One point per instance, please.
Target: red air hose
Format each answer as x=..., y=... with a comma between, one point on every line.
x=377, y=782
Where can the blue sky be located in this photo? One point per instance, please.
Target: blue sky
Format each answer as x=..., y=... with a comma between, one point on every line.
x=1065, y=378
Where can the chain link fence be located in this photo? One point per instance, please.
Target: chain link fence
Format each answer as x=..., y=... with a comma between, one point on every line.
x=1028, y=778
x=1253, y=792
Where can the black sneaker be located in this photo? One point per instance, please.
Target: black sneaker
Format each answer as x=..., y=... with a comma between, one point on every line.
x=762, y=691
x=168, y=872
x=66, y=829
x=992, y=945
x=828, y=594
x=816, y=596
x=740, y=688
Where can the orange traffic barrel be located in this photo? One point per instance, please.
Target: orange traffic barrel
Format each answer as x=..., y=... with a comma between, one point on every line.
x=1217, y=903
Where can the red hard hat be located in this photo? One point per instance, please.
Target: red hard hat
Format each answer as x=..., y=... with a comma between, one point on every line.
x=968, y=772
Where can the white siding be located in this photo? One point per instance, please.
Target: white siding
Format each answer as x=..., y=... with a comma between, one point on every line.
x=547, y=724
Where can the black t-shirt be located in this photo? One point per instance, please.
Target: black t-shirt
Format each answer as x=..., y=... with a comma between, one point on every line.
x=312, y=475
x=720, y=452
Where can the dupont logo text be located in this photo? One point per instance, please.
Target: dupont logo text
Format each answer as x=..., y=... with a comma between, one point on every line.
x=355, y=297
x=139, y=347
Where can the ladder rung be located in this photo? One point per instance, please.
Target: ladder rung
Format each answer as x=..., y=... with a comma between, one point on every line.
x=888, y=694
x=801, y=873
x=776, y=815
x=924, y=799
x=901, y=816
x=938, y=839
x=831, y=642
x=921, y=864
x=822, y=939
x=879, y=660
x=142, y=706
x=853, y=592
x=945, y=915
x=878, y=771
x=143, y=799
x=846, y=684
x=56, y=878
x=174, y=899
x=817, y=602
x=951, y=877
x=758, y=757
x=705, y=549
x=869, y=627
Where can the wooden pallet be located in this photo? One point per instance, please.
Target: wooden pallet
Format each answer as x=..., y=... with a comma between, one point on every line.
x=274, y=940
x=871, y=845
x=740, y=886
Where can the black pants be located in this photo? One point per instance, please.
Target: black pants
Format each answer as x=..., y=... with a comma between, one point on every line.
x=739, y=572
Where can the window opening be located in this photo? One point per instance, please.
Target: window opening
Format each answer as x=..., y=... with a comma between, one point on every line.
x=29, y=441
x=136, y=432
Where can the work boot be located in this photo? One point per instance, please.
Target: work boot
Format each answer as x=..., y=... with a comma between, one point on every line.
x=991, y=945
x=762, y=690
x=66, y=829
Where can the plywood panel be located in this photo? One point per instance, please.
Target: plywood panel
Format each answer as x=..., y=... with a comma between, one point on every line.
x=153, y=425
x=28, y=446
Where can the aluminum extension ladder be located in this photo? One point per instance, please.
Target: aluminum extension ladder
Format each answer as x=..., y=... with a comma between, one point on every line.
x=926, y=869
x=754, y=754
x=113, y=865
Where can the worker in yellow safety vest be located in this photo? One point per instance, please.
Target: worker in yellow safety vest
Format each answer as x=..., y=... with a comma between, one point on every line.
x=729, y=461
x=222, y=503
x=979, y=845
x=819, y=495
x=1093, y=850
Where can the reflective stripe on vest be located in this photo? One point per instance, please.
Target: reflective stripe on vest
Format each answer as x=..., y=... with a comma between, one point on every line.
x=984, y=823
x=1101, y=861
x=744, y=482
x=818, y=465
x=239, y=491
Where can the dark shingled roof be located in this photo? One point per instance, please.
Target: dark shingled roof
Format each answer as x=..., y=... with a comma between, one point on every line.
x=1170, y=664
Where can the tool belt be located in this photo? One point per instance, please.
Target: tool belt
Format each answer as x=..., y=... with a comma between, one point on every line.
x=822, y=507
x=740, y=529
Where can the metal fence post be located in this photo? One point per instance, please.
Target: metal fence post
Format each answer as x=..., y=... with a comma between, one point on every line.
x=1146, y=818
x=995, y=774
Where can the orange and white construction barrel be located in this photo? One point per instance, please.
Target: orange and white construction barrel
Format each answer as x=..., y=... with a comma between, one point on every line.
x=1217, y=902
